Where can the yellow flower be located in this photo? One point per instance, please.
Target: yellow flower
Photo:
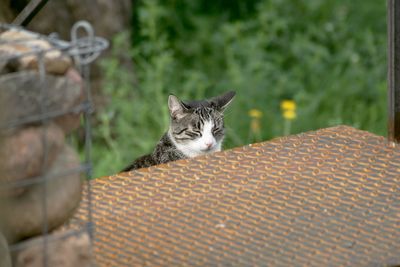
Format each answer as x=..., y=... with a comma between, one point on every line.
x=289, y=114
x=255, y=113
x=288, y=105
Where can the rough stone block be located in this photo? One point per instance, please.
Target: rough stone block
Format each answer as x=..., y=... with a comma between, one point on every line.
x=28, y=101
x=24, y=215
x=27, y=153
x=71, y=251
x=25, y=47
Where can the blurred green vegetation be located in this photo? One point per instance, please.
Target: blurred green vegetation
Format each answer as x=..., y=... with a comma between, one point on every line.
x=329, y=56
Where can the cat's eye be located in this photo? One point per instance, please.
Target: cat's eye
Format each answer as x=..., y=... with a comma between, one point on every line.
x=180, y=131
x=193, y=134
x=216, y=130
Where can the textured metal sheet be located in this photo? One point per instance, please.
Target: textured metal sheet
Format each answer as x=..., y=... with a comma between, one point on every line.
x=324, y=198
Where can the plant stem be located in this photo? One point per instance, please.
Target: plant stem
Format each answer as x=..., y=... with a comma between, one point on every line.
x=287, y=127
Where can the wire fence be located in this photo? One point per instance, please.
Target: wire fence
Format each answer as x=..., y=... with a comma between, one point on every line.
x=44, y=95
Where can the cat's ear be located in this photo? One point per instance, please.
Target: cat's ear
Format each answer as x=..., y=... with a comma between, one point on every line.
x=177, y=109
x=222, y=101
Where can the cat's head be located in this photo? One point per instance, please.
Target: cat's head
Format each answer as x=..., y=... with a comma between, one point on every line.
x=197, y=127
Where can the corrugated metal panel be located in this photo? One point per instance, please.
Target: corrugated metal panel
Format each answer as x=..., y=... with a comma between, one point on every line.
x=324, y=198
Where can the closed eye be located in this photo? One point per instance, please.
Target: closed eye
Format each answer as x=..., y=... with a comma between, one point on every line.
x=193, y=133
x=217, y=130
x=181, y=131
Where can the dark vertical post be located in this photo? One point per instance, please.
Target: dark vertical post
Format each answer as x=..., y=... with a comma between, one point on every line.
x=393, y=22
x=30, y=11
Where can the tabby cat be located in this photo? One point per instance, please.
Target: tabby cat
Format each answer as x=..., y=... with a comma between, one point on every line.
x=196, y=128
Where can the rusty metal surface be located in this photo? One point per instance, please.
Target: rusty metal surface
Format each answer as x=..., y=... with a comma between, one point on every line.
x=324, y=198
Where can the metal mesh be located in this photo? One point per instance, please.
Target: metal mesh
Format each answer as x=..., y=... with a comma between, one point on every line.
x=324, y=198
x=39, y=110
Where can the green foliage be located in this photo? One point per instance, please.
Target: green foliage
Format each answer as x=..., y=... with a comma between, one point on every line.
x=327, y=55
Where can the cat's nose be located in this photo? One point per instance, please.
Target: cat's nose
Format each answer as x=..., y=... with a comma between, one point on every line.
x=209, y=145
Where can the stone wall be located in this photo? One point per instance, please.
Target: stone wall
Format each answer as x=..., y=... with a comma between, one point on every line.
x=39, y=148
x=37, y=113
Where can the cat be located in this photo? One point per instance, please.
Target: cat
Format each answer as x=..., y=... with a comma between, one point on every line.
x=196, y=128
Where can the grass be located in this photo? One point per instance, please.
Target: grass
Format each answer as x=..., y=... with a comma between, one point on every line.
x=328, y=56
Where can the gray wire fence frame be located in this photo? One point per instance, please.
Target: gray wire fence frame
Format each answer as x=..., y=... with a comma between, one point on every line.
x=84, y=48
